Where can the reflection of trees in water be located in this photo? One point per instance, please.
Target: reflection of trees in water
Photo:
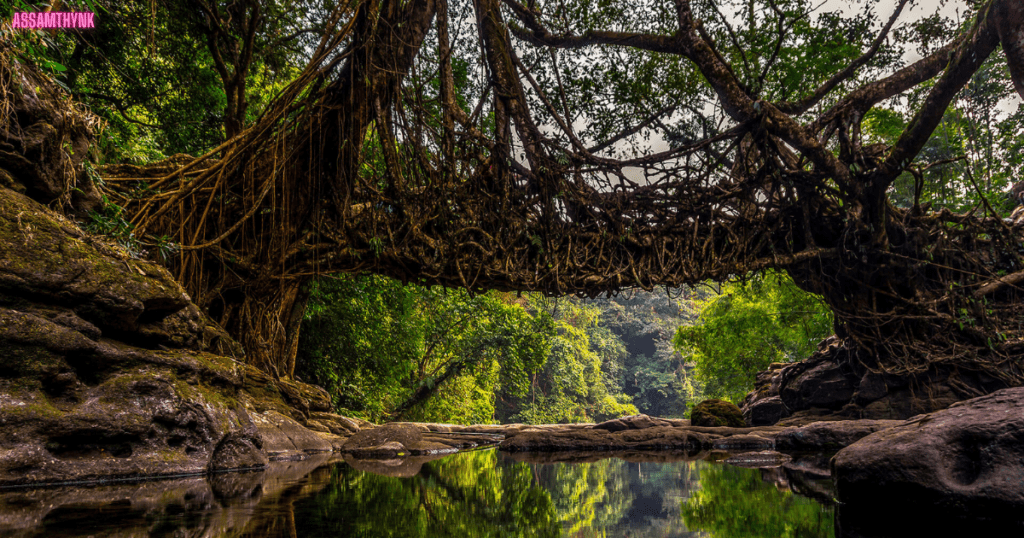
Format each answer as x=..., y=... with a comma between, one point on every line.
x=487, y=494
x=466, y=495
x=472, y=494
x=616, y=498
x=732, y=502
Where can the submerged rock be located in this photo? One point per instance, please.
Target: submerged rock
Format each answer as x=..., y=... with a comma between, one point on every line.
x=965, y=460
x=763, y=458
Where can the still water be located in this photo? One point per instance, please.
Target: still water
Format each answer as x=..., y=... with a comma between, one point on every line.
x=472, y=494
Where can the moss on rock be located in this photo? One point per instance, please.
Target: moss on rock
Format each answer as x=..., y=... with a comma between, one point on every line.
x=711, y=413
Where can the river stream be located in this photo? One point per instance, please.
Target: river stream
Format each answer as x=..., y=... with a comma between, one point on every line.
x=472, y=494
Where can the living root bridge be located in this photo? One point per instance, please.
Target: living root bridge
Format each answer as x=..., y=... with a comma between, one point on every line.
x=362, y=166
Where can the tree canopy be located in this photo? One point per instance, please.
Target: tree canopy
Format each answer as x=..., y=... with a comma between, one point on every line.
x=746, y=327
x=494, y=144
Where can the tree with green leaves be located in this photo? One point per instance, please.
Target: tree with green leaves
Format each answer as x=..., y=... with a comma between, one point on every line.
x=748, y=325
x=573, y=383
x=392, y=351
x=539, y=173
x=651, y=372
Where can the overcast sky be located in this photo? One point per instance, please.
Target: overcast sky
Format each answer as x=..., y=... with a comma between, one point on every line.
x=953, y=9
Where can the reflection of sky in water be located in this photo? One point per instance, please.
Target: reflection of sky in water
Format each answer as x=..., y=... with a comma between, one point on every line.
x=482, y=493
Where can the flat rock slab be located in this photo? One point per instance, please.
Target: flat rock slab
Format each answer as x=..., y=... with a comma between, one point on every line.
x=656, y=438
x=286, y=439
x=829, y=436
x=743, y=443
x=396, y=440
x=967, y=460
x=633, y=422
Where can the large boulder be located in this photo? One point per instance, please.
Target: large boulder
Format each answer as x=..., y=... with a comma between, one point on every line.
x=835, y=383
x=285, y=439
x=965, y=460
x=72, y=408
x=822, y=383
x=106, y=367
x=712, y=413
x=765, y=411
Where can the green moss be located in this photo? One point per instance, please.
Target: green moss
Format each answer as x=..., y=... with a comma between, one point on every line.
x=36, y=406
x=30, y=361
x=171, y=455
x=717, y=413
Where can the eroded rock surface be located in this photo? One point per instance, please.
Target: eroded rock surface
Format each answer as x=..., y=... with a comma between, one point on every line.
x=829, y=436
x=41, y=153
x=833, y=384
x=405, y=439
x=80, y=397
x=109, y=370
x=965, y=460
x=633, y=422
x=653, y=438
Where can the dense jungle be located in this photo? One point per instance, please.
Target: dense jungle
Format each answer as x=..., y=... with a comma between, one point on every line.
x=578, y=155
x=239, y=232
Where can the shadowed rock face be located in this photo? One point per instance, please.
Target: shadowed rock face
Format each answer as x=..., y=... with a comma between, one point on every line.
x=89, y=385
x=108, y=370
x=829, y=436
x=41, y=153
x=833, y=384
x=967, y=460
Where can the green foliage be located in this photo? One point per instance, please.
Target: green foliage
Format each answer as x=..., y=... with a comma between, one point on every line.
x=376, y=344
x=360, y=339
x=572, y=384
x=438, y=354
x=749, y=325
x=648, y=370
x=149, y=68
x=110, y=221
x=975, y=151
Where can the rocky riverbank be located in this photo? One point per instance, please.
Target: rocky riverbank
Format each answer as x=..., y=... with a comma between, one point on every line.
x=110, y=371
